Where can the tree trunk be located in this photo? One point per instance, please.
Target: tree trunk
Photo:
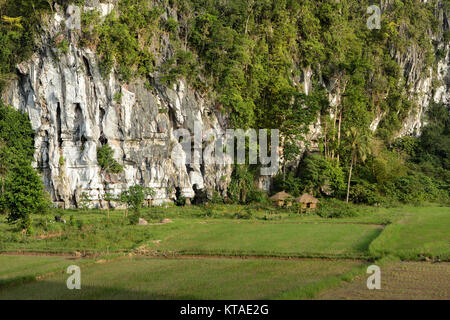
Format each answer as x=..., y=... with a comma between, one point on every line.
x=334, y=131
x=339, y=135
x=244, y=194
x=349, y=180
x=246, y=24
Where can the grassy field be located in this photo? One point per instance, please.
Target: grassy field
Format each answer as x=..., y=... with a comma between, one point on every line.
x=399, y=280
x=232, y=270
x=200, y=236
x=20, y=269
x=264, y=239
x=423, y=232
x=143, y=278
x=101, y=237
x=267, y=232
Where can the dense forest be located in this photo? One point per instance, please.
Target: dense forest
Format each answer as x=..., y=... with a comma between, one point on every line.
x=250, y=58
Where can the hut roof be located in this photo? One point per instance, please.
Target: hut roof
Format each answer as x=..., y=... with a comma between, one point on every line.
x=281, y=196
x=307, y=198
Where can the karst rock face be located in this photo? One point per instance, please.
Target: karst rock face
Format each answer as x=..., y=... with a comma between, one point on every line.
x=74, y=110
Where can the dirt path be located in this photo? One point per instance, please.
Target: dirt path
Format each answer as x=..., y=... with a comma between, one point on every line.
x=32, y=253
x=160, y=255
x=399, y=280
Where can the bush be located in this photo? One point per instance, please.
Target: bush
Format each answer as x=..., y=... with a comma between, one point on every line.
x=216, y=198
x=415, y=188
x=258, y=196
x=134, y=198
x=242, y=183
x=333, y=208
x=245, y=214
x=80, y=224
x=364, y=192
x=106, y=161
x=134, y=218
x=288, y=183
x=72, y=221
x=207, y=211
x=317, y=172
x=180, y=201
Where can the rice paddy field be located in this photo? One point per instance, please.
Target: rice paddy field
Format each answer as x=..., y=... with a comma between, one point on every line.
x=194, y=256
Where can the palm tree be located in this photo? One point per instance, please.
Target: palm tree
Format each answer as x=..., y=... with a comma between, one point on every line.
x=359, y=143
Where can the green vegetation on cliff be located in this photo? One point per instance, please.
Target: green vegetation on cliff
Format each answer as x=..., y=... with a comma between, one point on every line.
x=252, y=58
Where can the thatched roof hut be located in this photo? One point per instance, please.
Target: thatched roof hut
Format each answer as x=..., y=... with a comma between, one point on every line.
x=280, y=198
x=308, y=201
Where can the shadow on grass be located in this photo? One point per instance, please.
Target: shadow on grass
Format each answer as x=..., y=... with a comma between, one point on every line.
x=52, y=290
x=366, y=239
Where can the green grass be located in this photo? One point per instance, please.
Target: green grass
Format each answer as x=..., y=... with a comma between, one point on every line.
x=292, y=235
x=423, y=232
x=142, y=278
x=16, y=270
x=268, y=239
x=100, y=236
x=412, y=233
x=366, y=214
x=310, y=290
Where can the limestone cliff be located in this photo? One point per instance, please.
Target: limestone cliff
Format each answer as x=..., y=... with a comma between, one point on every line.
x=74, y=110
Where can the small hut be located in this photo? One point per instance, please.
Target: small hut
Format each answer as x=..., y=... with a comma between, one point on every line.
x=307, y=202
x=282, y=199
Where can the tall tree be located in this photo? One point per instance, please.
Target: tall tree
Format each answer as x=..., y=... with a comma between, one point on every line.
x=358, y=143
x=24, y=195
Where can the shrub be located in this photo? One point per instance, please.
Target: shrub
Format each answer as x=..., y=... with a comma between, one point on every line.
x=134, y=198
x=242, y=183
x=216, y=198
x=134, y=218
x=289, y=183
x=258, y=196
x=80, y=224
x=414, y=188
x=106, y=161
x=207, y=211
x=180, y=201
x=245, y=214
x=364, y=192
x=171, y=25
x=72, y=221
x=333, y=208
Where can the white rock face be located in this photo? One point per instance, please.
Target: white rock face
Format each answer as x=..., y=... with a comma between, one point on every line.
x=73, y=111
